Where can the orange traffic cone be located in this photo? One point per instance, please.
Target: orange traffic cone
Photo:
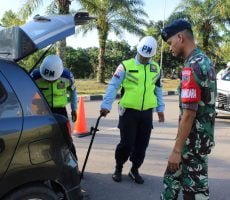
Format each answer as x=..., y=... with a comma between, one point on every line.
x=80, y=128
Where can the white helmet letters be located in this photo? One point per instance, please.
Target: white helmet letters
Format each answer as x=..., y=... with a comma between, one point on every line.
x=51, y=68
x=147, y=46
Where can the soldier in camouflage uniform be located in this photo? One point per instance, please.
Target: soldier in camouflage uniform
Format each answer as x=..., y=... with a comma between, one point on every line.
x=187, y=167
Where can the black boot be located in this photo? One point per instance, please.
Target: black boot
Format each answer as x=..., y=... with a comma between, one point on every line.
x=117, y=176
x=134, y=175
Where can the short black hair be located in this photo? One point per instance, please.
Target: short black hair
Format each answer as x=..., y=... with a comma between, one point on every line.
x=189, y=33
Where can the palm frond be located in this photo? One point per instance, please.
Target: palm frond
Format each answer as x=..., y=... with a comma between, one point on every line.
x=29, y=7
x=52, y=8
x=86, y=28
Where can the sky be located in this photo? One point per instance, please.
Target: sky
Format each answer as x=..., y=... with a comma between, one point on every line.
x=156, y=10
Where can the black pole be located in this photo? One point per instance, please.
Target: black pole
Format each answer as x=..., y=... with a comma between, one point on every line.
x=93, y=130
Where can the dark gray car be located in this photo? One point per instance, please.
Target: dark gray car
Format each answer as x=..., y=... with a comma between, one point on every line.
x=35, y=159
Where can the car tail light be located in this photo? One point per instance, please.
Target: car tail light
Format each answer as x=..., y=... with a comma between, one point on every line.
x=68, y=127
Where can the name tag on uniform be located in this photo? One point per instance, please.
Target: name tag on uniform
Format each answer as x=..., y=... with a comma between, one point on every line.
x=133, y=71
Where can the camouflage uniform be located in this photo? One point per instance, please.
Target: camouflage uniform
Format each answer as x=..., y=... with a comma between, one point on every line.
x=193, y=173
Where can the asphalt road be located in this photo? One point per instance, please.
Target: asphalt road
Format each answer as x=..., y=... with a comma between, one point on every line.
x=97, y=181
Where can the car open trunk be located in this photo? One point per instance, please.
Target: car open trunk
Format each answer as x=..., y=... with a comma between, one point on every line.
x=20, y=41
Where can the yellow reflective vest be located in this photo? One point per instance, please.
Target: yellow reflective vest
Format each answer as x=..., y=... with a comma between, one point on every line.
x=56, y=93
x=139, y=84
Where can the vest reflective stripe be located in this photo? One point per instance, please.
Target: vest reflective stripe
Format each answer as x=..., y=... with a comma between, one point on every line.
x=139, y=85
x=131, y=78
x=54, y=92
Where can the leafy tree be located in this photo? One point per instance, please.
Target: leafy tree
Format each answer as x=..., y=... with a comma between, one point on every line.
x=55, y=7
x=29, y=62
x=93, y=60
x=112, y=16
x=78, y=62
x=116, y=52
x=154, y=29
x=83, y=62
x=11, y=19
x=208, y=18
x=225, y=49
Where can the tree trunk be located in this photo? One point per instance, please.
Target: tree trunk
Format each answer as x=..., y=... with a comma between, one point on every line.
x=206, y=44
x=205, y=41
x=63, y=8
x=61, y=50
x=207, y=29
x=101, y=59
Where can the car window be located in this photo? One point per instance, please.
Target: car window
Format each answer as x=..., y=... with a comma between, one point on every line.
x=227, y=76
x=25, y=90
x=9, y=104
x=38, y=105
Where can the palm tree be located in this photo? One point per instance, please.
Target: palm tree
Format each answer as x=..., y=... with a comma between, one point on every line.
x=11, y=19
x=112, y=16
x=208, y=18
x=55, y=7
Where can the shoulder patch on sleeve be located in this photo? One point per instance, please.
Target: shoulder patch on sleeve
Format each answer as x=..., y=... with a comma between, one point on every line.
x=67, y=74
x=190, y=90
x=118, y=71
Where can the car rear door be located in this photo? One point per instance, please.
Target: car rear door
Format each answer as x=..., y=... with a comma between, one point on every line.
x=10, y=123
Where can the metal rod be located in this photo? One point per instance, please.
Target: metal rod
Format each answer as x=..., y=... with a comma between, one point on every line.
x=93, y=130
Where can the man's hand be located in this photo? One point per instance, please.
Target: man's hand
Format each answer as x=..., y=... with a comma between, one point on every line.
x=174, y=161
x=161, y=117
x=104, y=112
x=74, y=116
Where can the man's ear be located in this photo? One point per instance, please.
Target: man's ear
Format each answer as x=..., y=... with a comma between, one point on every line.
x=180, y=37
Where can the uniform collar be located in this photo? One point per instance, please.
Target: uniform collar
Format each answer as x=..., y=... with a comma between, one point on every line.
x=138, y=62
x=192, y=54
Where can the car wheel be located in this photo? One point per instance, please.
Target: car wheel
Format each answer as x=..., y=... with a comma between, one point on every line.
x=36, y=192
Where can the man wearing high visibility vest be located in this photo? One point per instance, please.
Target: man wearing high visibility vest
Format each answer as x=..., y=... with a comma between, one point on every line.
x=57, y=84
x=141, y=92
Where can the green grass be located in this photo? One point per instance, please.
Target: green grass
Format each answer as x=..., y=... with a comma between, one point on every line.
x=90, y=86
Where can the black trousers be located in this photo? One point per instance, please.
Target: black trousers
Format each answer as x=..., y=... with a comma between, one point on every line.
x=135, y=130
